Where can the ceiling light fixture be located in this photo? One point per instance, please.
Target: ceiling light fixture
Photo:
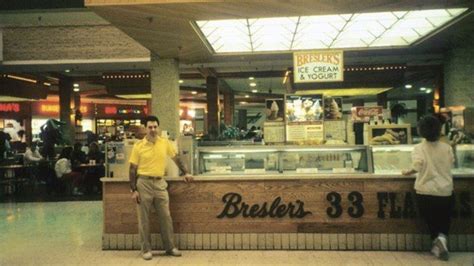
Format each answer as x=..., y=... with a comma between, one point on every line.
x=339, y=31
x=428, y=91
x=408, y=86
x=254, y=91
x=251, y=78
x=253, y=84
x=21, y=78
x=76, y=85
x=76, y=89
x=247, y=96
x=422, y=89
x=181, y=81
x=67, y=70
x=194, y=92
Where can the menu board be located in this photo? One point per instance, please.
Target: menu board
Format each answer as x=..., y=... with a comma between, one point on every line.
x=335, y=130
x=305, y=132
x=274, y=132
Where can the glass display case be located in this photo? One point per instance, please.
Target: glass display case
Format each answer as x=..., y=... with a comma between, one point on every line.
x=283, y=159
x=464, y=154
x=391, y=159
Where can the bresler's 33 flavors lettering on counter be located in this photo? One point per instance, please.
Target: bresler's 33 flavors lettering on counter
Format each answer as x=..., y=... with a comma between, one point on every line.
x=390, y=205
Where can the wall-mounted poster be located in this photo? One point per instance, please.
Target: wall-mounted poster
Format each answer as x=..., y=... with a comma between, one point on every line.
x=332, y=108
x=389, y=134
x=275, y=109
x=304, y=108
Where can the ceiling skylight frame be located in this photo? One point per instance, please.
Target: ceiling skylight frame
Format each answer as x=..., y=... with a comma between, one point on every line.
x=399, y=34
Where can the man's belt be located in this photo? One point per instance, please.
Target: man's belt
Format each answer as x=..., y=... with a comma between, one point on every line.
x=150, y=177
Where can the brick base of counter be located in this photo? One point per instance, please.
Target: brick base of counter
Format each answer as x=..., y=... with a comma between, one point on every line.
x=291, y=241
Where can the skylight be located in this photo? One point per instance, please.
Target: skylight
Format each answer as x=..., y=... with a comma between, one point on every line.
x=359, y=30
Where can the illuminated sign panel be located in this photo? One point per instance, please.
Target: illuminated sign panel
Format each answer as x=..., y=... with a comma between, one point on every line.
x=10, y=107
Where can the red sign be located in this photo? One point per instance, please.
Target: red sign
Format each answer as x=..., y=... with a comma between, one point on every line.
x=52, y=109
x=10, y=107
x=110, y=110
x=364, y=114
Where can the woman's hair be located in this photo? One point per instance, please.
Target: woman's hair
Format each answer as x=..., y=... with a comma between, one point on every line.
x=429, y=127
x=66, y=153
x=93, y=147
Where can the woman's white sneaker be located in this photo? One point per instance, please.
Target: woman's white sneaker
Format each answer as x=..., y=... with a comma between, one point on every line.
x=147, y=255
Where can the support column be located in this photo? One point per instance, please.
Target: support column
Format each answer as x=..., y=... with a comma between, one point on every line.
x=165, y=93
x=213, y=115
x=65, y=98
x=242, y=119
x=77, y=106
x=382, y=99
x=229, y=109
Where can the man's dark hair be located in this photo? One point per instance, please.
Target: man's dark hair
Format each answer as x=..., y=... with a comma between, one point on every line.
x=429, y=127
x=151, y=118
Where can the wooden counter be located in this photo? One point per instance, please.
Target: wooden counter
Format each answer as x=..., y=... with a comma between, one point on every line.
x=320, y=212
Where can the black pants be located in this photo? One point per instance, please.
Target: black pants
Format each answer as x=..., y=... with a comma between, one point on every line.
x=436, y=212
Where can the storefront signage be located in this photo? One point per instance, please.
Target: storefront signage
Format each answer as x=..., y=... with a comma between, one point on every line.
x=52, y=108
x=113, y=110
x=389, y=205
x=365, y=114
x=318, y=66
x=10, y=107
x=234, y=206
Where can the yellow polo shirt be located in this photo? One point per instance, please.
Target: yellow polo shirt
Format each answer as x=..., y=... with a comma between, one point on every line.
x=151, y=158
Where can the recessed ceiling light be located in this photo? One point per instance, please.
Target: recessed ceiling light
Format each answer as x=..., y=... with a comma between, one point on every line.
x=247, y=96
x=76, y=89
x=254, y=91
x=428, y=91
x=181, y=81
x=422, y=89
x=251, y=78
x=408, y=86
x=243, y=102
x=253, y=84
x=76, y=85
x=194, y=92
x=67, y=70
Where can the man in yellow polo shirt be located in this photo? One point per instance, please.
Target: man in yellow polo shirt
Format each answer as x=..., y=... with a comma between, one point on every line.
x=147, y=168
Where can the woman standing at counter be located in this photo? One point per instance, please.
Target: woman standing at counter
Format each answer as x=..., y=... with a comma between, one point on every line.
x=432, y=161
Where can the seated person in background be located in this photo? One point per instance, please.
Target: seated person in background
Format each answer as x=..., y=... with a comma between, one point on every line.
x=32, y=154
x=93, y=174
x=78, y=156
x=95, y=154
x=4, y=145
x=63, y=171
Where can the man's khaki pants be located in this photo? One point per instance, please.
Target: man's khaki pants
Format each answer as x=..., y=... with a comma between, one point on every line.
x=153, y=193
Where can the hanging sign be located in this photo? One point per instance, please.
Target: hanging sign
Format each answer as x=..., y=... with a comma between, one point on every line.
x=318, y=66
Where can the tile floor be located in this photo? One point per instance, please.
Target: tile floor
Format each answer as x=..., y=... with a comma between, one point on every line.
x=69, y=233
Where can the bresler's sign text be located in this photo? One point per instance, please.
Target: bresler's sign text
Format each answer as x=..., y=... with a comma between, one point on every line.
x=318, y=66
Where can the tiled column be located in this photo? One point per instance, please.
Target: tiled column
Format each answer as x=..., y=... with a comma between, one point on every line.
x=229, y=109
x=165, y=93
x=65, y=97
x=213, y=115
